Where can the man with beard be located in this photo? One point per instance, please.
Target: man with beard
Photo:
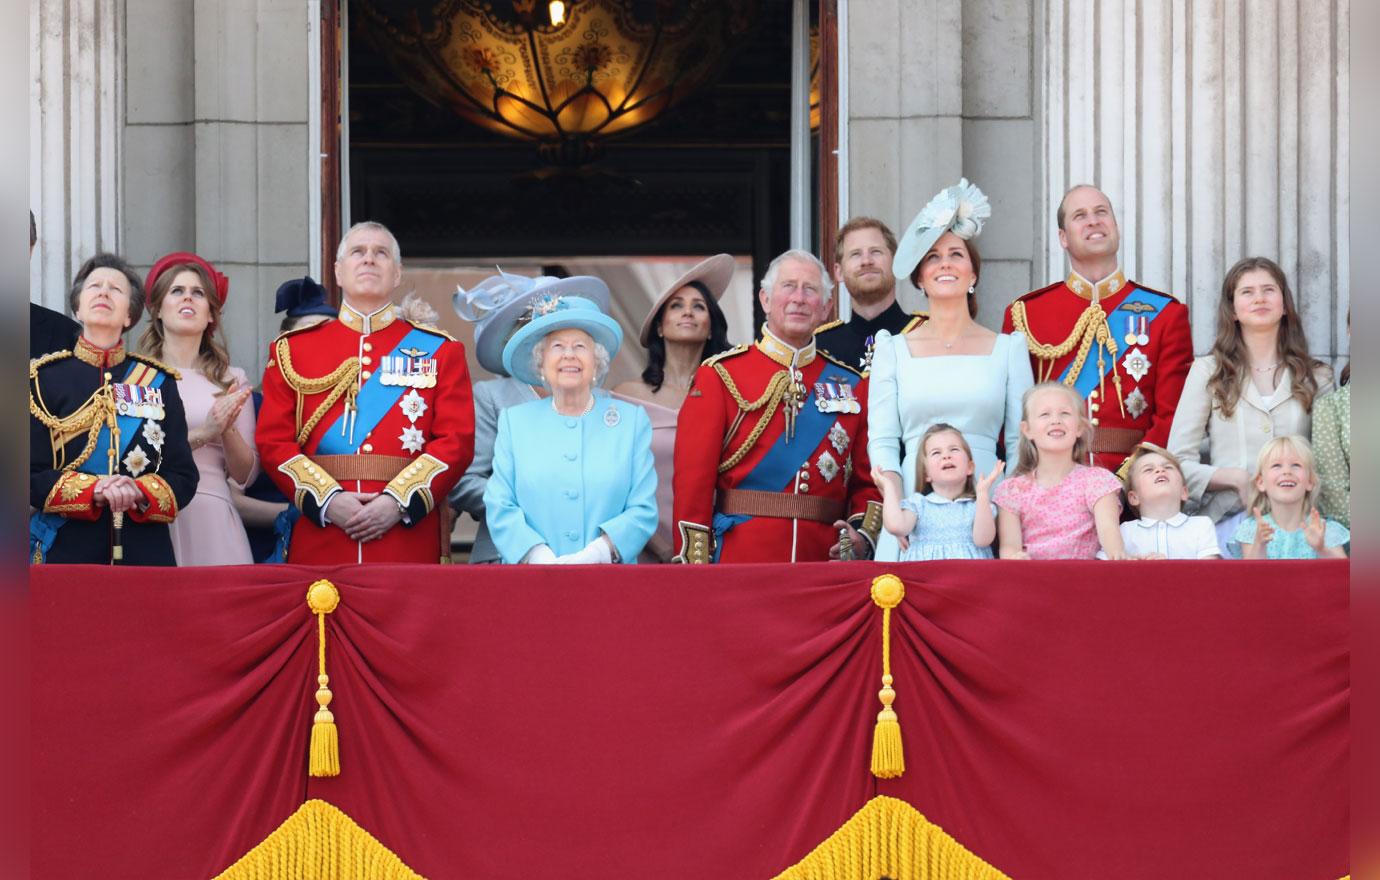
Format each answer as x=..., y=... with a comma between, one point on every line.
x=863, y=250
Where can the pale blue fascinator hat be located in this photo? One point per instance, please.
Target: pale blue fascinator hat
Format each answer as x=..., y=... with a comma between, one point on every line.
x=551, y=313
x=499, y=302
x=958, y=209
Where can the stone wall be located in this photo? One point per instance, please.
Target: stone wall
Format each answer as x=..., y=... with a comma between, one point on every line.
x=1216, y=134
x=204, y=104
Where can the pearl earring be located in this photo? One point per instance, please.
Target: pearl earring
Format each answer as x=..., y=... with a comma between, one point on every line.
x=972, y=288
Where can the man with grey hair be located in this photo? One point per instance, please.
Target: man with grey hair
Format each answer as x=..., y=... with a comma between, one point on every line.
x=367, y=420
x=771, y=444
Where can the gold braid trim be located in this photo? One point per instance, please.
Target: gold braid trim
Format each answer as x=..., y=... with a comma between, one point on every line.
x=770, y=400
x=343, y=379
x=98, y=409
x=1090, y=327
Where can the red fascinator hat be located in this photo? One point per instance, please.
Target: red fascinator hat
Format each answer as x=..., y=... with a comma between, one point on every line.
x=222, y=283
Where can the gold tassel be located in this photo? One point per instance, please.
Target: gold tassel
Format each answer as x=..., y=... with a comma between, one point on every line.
x=888, y=758
x=324, y=755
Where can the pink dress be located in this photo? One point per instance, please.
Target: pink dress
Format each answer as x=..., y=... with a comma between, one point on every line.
x=663, y=458
x=1057, y=522
x=208, y=531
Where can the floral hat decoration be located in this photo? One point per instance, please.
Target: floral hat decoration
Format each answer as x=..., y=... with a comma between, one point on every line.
x=959, y=209
x=501, y=302
x=552, y=312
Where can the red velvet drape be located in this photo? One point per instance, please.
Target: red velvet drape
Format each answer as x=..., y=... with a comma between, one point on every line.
x=1060, y=719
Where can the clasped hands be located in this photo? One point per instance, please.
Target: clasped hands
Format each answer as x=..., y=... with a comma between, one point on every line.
x=596, y=552
x=119, y=493
x=364, y=516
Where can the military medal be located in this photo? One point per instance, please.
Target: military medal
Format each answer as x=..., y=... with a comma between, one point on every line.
x=1136, y=364
x=1137, y=330
x=828, y=466
x=139, y=401
x=411, y=369
x=1136, y=404
x=412, y=405
x=838, y=438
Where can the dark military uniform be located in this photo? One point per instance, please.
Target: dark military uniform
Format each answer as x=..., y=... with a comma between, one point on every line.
x=96, y=412
x=851, y=342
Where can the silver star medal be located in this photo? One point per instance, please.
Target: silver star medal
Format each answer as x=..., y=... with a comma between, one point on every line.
x=828, y=466
x=153, y=433
x=136, y=461
x=1136, y=404
x=1136, y=364
x=412, y=439
x=839, y=439
x=412, y=405
x=611, y=417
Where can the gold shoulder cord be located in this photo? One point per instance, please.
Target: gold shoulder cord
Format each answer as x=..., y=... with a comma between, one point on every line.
x=1090, y=327
x=342, y=380
x=96, y=411
x=769, y=401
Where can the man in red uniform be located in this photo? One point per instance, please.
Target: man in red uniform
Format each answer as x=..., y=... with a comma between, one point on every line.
x=771, y=444
x=1124, y=347
x=367, y=420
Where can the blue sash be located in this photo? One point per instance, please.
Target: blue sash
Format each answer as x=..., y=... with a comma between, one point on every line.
x=374, y=399
x=43, y=527
x=779, y=466
x=1089, y=377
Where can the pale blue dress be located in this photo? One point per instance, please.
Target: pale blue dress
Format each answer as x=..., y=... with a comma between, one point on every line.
x=1285, y=544
x=561, y=480
x=980, y=395
x=943, y=528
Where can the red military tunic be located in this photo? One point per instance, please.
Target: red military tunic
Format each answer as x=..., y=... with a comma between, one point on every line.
x=790, y=518
x=1149, y=358
x=415, y=452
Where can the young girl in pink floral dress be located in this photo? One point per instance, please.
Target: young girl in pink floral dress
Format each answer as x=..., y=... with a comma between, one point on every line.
x=1052, y=506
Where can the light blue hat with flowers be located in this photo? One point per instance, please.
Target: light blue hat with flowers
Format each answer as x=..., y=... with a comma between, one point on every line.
x=958, y=209
x=551, y=313
x=495, y=304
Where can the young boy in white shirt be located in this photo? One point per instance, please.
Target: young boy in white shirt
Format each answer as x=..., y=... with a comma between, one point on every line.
x=1155, y=490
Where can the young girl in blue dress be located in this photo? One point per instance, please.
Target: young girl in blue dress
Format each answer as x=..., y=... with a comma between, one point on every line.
x=952, y=516
x=1284, y=522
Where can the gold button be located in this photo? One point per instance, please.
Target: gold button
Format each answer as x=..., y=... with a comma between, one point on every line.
x=368, y=447
x=366, y=360
x=1093, y=407
x=368, y=346
x=1092, y=394
x=365, y=374
x=1094, y=421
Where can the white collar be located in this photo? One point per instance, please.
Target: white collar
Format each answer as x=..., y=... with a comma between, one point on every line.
x=1173, y=522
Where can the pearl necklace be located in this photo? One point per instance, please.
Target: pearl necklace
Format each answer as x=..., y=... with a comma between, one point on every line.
x=589, y=407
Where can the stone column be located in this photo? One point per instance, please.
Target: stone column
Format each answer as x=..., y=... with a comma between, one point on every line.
x=905, y=106
x=76, y=109
x=1219, y=130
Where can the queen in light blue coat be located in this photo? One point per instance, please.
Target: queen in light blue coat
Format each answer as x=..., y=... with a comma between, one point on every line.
x=573, y=478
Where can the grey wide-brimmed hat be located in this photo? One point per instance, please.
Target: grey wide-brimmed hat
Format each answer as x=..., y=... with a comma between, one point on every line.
x=549, y=314
x=714, y=273
x=497, y=303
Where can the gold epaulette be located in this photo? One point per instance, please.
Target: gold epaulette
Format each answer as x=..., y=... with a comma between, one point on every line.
x=155, y=362
x=836, y=362
x=916, y=319
x=45, y=360
x=735, y=350
x=837, y=322
x=295, y=330
x=431, y=328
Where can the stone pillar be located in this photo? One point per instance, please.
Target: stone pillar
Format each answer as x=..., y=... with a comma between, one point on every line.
x=76, y=110
x=1219, y=131
x=905, y=132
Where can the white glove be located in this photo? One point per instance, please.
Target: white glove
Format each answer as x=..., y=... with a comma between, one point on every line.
x=596, y=552
x=539, y=555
